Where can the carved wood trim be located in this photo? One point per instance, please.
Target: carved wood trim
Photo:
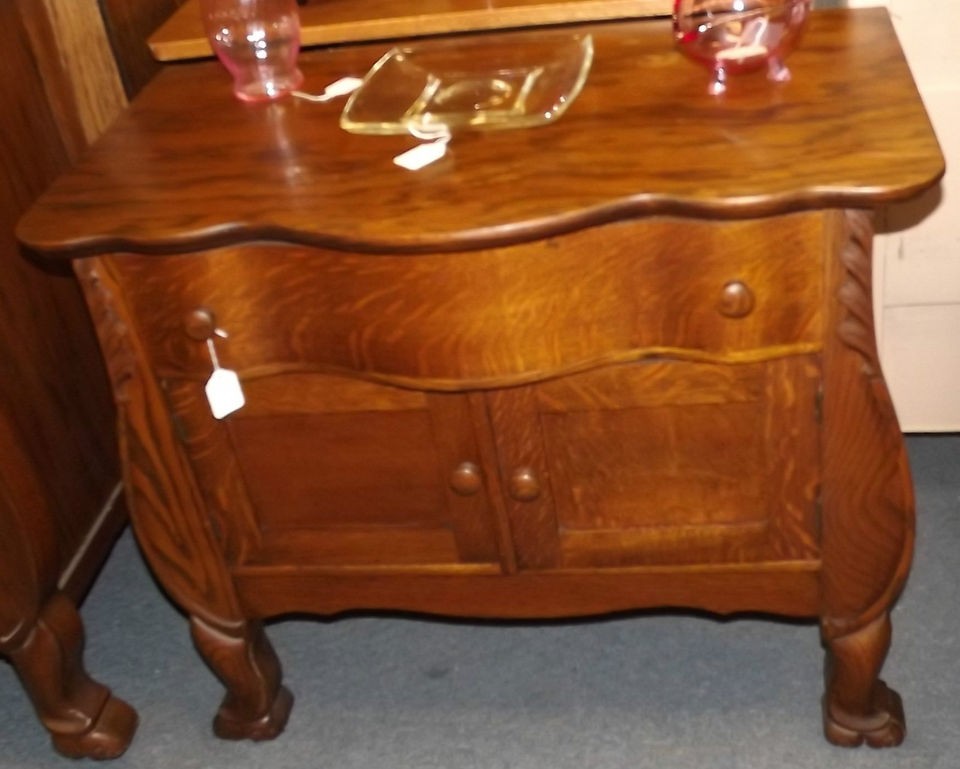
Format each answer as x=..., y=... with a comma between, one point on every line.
x=856, y=326
x=207, y=442
x=468, y=384
x=868, y=516
x=166, y=506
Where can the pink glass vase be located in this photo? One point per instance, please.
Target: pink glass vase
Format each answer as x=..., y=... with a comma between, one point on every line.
x=258, y=41
x=731, y=36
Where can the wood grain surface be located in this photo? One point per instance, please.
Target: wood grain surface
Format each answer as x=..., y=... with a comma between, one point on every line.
x=128, y=24
x=86, y=62
x=52, y=389
x=59, y=472
x=643, y=137
x=625, y=360
x=340, y=21
x=449, y=321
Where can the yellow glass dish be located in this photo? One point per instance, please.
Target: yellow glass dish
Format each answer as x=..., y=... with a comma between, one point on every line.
x=480, y=82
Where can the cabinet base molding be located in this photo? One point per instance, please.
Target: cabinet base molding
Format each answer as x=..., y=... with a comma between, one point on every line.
x=787, y=589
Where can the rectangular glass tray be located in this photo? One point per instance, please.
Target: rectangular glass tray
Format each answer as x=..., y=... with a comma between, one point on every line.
x=480, y=82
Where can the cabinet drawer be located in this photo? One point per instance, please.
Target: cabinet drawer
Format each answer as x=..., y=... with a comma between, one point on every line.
x=616, y=292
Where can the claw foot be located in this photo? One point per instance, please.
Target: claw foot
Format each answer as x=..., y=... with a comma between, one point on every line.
x=107, y=738
x=266, y=727
x=885, y=727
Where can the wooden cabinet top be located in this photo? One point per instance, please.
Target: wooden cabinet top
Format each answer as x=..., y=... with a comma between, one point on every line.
x=188, y=166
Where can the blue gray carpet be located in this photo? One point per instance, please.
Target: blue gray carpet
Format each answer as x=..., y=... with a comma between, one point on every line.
x=644, y=692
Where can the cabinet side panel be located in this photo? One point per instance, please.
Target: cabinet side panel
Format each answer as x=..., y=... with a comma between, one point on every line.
x=868, y=504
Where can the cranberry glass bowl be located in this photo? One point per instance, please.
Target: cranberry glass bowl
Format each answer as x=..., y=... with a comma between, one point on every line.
x=731, y=36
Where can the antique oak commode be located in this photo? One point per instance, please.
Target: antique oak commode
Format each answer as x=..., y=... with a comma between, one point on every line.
x=625, y=360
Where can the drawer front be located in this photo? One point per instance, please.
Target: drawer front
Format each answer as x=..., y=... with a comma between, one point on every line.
x=617, y=292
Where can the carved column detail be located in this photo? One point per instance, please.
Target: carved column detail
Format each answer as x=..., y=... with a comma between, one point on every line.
x=166, y=506
x=867, y=492
x=868, y=507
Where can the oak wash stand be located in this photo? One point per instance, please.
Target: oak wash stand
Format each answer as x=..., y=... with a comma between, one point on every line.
x=622, y=361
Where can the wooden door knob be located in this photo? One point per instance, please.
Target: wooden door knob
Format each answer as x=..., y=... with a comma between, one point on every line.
x=466, y=480
x=736, y=300
x=200, y=324
x=524, y=484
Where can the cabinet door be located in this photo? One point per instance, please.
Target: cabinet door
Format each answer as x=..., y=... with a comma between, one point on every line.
x=319, y=470
x=662, y=463
x=347, y=453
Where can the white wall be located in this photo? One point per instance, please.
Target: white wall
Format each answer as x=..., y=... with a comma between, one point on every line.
x=918, y=261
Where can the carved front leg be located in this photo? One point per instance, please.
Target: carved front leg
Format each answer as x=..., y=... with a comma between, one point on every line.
x=40, y=629
x=84, y=719
x=174, y=526
x=868, y=506
x=256, y=705
x=858, y=706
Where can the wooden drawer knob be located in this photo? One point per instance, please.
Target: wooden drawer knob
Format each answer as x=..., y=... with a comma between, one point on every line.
x=736, y=300
x=466, y=480
x=524, y=484
x=200, y=324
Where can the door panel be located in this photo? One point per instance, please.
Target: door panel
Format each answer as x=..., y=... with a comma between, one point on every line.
x=319, y=470
x=663, y=462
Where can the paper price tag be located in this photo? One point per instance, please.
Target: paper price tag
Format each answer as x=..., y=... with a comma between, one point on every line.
x=224, y=392
x=422, y=155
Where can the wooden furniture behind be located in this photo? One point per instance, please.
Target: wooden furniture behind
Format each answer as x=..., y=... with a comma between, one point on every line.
x=324, y=22
x=59, y=474
x=622, y=361
x=60, y=501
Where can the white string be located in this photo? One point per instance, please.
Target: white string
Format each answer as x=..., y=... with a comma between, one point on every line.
x=429, y=131
x=213, y=353
x=341, y=87
x=317, y=97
